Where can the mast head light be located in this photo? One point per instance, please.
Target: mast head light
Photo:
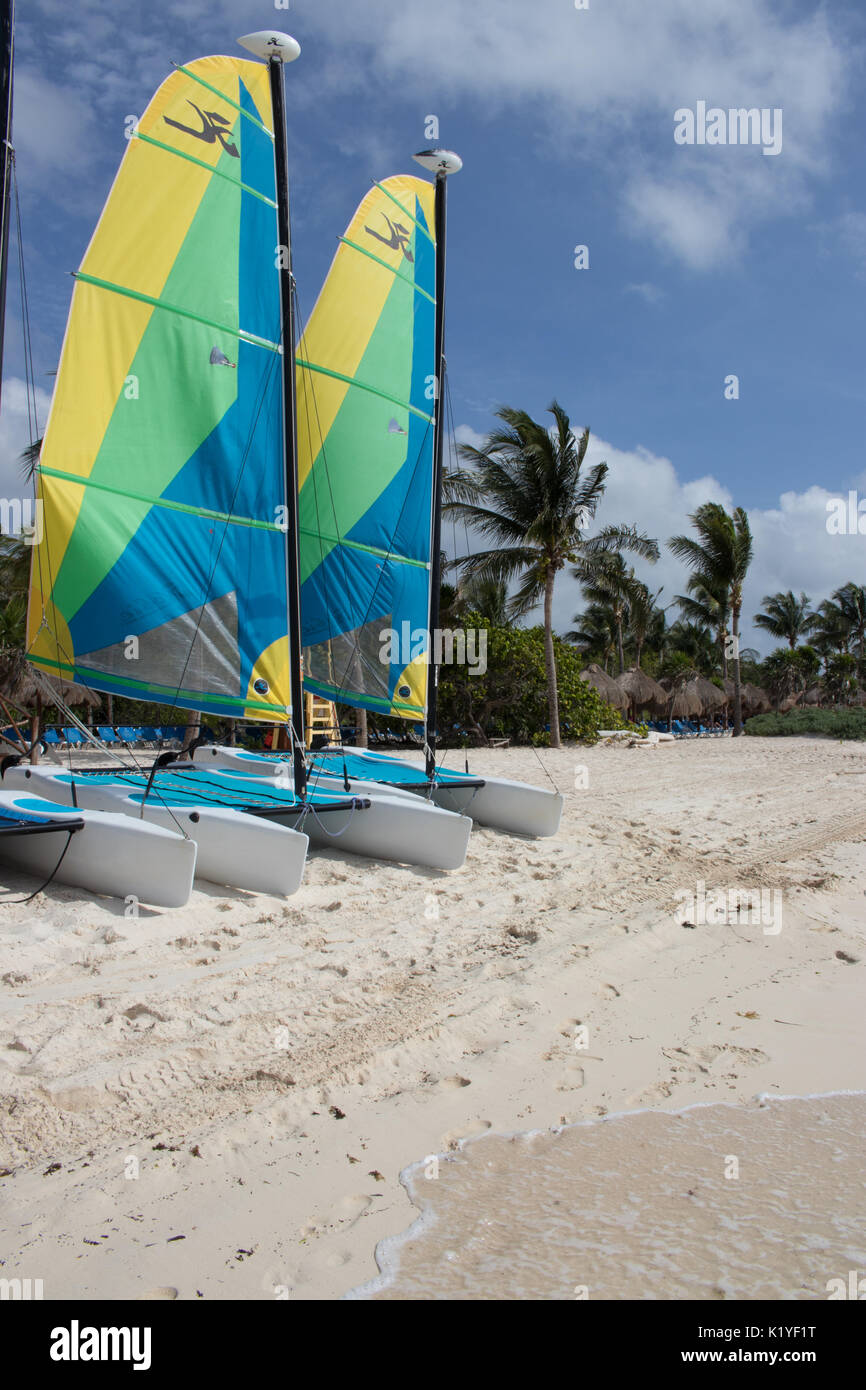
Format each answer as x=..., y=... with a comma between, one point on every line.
x=439, y=161
x=270, y=43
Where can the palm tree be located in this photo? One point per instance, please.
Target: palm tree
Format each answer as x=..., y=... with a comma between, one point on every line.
x=644, y=617
x=688, y=646
x=832, y=633
x=851, y=602
x=719, y=561
x=527, y=492
x=786, y=616
x=29, y=458
x=595, y=638
x=489, y=597
x=710, y=609
x=605, y=579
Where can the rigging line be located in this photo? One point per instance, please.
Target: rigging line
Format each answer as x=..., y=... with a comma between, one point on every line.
x=43, y=886
x=544, y=769
x=449, y=470
x=30, y=384
x=310, y=393
x=32, y=421
x=453, y=452
x=77, y=723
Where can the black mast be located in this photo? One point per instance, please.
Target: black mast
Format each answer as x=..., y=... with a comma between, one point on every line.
x=275, y=67
x=7, y=21
x=443, y=162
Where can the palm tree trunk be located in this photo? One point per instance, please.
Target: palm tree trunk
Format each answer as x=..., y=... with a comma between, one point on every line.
x=619, y=651
x=191, y=732
x=738, y=699
x=550, y=662
x=361, y=726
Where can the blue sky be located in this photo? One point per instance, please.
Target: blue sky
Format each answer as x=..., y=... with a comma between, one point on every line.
x=704, y=261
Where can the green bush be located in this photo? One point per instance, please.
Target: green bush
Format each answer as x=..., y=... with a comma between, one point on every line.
x=837, y=723
x=510, y=699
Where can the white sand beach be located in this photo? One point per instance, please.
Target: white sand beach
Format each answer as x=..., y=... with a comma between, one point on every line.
x=217, y=1102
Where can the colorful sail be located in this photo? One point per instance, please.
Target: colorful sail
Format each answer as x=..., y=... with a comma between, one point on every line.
x=162, y=570
x=365, y=373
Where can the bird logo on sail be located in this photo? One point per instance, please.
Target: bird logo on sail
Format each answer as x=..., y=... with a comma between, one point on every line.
x=213, y=127
x=398, y=240
x=394, y=427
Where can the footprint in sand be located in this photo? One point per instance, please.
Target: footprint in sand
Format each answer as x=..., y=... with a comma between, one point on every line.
x=574, y=1079
x=351, y=1209
x=454, y=1137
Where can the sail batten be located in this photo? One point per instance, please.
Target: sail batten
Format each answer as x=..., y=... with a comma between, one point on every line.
x=162, y=572
x=242, y=110
x=155, y=303
x=366, y=392
x=191, y=159
x=422, y=227
x=363, y=386
x=378, y=259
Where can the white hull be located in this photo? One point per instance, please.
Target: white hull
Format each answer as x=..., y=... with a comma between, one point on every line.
x=111, y=855
x=235, y=849
x=396, y=825
x=515, y=807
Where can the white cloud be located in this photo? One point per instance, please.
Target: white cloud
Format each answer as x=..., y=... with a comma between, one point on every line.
x=465, y=434
x=600, y=84
x=53, y=126
x=792, y=547
x=15, y=433
x=645, y=290
x=606, y=82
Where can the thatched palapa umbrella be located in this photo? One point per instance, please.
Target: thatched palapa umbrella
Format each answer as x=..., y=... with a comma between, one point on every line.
x=683, y=703
x=605, y=685
x=756, y=700
x=710, y=696
x=642, y=691
x=20, y=686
